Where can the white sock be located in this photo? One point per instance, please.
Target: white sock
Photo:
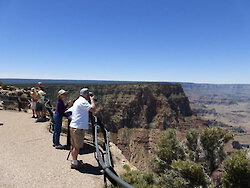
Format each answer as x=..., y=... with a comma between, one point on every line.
x=75, y=162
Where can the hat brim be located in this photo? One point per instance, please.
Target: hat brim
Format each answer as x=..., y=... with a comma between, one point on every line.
x=62, y=93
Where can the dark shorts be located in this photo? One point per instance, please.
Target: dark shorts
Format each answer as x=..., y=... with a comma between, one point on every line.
x=39, y=107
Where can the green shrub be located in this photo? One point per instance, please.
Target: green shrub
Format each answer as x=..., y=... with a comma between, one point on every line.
x=4, y=86
x=168, y=149
x=126, y=168
x=192, y=172
x=192, y=140
x=172, y=179
x=194, y=149
x=213, y=141
x=237, y=171
x=139, y=180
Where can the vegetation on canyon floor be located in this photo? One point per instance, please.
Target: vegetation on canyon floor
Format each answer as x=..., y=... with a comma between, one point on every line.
x=193, y=161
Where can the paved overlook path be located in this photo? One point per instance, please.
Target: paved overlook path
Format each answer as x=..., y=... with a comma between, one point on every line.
x=27, y=158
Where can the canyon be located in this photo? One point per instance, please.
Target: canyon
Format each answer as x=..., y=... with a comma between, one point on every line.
x=225, y=105
x=137, y=113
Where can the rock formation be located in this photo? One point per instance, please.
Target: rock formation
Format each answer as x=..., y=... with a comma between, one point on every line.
x=147, y=105
x=13, y=98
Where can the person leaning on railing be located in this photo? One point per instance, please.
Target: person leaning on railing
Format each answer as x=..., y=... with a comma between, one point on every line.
x=79, y=123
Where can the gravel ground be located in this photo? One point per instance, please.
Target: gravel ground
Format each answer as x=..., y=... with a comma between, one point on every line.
x=27, y=158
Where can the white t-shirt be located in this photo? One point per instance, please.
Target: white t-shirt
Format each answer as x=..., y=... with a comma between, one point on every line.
x=41, y=94
x=80, y=115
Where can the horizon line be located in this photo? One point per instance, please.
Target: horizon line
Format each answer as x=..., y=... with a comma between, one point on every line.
x=106, y=80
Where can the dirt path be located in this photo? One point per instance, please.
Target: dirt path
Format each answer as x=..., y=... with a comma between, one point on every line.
x=27, y=158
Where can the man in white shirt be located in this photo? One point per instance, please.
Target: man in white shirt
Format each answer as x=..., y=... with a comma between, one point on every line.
x=79, y=123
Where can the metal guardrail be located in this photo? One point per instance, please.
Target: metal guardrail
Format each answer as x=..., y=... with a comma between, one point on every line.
x=51, y=110
x=104, y=160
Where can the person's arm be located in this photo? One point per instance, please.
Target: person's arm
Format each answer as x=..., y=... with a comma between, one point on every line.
x=92, y=102
x=69, y=103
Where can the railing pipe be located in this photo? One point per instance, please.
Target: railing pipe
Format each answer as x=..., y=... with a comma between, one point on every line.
x=108, y=150
x=107, y=165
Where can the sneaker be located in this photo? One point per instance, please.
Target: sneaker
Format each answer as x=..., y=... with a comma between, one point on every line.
x=78, y=166
x=40, y=120
x=59, y=146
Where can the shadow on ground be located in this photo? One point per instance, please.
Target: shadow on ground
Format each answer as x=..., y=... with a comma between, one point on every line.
x=88, y=148
x=89, y=169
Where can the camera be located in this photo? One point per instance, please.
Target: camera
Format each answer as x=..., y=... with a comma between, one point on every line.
x=91, y=94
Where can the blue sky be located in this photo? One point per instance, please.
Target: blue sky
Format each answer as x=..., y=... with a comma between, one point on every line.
x=201, y=41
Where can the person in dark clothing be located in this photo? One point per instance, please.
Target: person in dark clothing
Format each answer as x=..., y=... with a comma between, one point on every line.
x=58, y=116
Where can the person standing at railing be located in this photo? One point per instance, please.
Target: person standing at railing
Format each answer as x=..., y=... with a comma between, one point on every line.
x=34, y=97
x=40, y=108
x=79, y=123
x=58, y=116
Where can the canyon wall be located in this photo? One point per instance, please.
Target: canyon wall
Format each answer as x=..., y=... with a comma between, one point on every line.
x=144, y=105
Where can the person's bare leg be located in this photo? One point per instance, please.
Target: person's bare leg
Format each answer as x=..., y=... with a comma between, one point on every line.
x=33, y=112
x=74, y=153
x=39, y=113
x=44, y=113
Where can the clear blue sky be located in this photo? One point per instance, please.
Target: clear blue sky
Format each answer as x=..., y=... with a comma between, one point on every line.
x=201, y=41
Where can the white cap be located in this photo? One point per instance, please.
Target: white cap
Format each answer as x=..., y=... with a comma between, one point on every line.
x=84, y=91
